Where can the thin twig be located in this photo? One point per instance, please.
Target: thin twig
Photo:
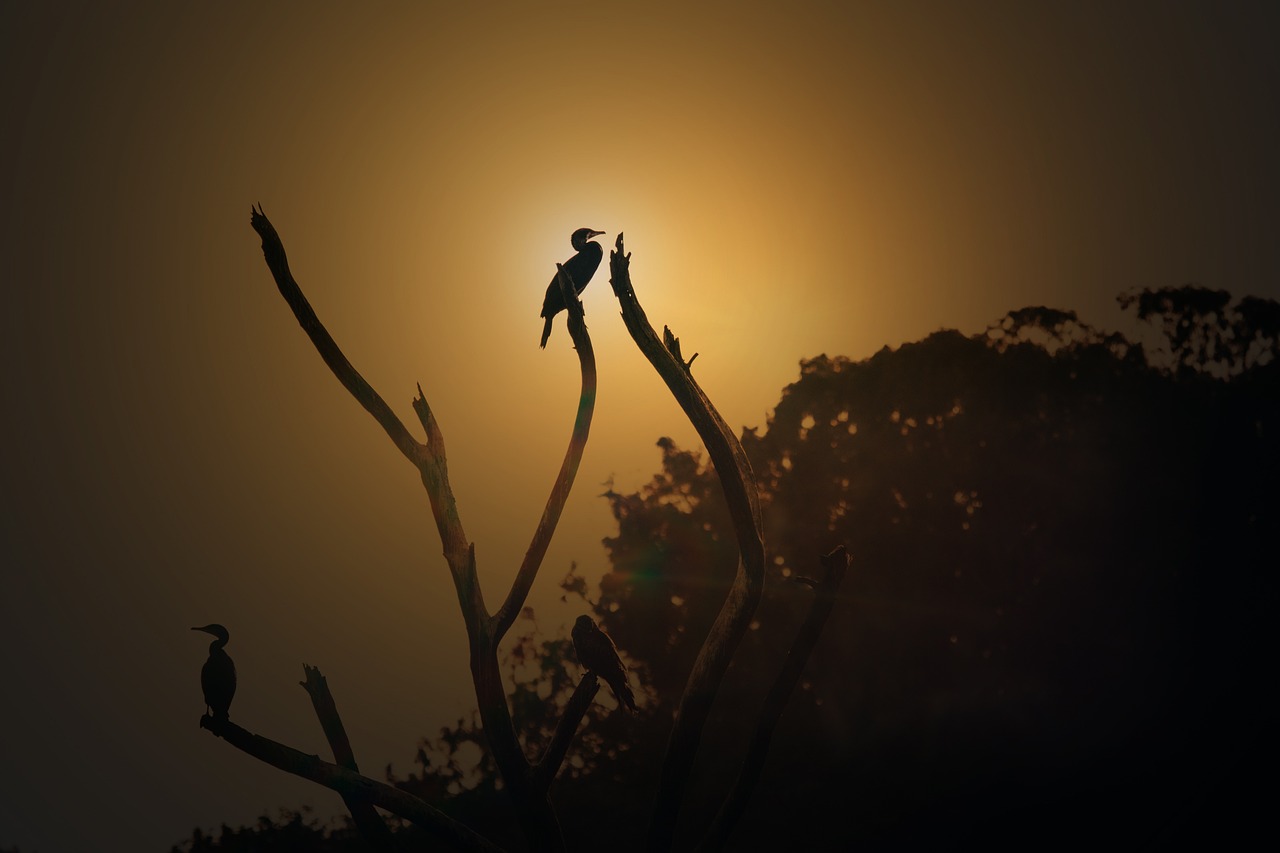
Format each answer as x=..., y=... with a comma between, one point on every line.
x=433, y=466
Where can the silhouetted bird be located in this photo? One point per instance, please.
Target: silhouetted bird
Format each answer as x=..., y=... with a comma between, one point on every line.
x=580, y=268
x=597, y=653
x=218, y=676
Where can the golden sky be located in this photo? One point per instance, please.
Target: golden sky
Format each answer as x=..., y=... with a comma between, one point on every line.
x=792, y=179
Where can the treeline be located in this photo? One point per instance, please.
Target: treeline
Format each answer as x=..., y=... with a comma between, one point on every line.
x=1054, y=633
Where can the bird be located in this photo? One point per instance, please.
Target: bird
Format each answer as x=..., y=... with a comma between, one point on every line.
x=580, y=268
x=596, y=651
x=218, y=676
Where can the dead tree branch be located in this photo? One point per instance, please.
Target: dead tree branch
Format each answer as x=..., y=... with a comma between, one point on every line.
x=372, y=827
x=834, y=566
x=351, y=784
x=734, y=472
x=484, y=631
x=528, y=784
x=568, y=469
x=273, y=251
x=548, y=766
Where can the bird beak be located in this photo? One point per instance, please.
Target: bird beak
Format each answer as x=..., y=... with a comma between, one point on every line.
x=595, y=233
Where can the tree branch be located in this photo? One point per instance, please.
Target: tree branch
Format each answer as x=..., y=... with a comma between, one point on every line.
x=734, y=472
x=537, y=817
x=510, y=609
x=372, y=827
x=351, y=784
x=544, y=772
x=429, y=458
x=433, y=465
x=834, y=565
x=273, y=251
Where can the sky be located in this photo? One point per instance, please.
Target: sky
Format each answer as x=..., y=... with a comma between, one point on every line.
x=792, y=179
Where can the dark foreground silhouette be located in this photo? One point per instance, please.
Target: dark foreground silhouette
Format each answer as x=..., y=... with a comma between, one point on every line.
x=1053, y=635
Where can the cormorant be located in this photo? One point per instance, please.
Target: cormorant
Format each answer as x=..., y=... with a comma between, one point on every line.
x=595, y=651
x=218, y=676
x=580, y=268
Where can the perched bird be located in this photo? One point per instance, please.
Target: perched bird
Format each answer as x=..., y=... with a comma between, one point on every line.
x=595, y=651
x=580, y=268
x=218, y=676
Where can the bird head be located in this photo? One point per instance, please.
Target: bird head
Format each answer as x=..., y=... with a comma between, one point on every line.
x=581, y=236
x=584, y=623
x=215, y=629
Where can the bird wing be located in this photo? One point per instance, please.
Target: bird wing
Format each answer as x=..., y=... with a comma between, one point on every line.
x=582, y=266
x=600, y=655
x=596, y=652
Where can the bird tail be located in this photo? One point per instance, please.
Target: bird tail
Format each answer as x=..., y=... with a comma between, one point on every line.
x=622, y=692
x=546, y=333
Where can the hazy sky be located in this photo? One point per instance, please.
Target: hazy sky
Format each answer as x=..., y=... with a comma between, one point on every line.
x=792, y=179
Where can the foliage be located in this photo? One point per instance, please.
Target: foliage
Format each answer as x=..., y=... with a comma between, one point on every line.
x=1206, y=332
x=291, y=830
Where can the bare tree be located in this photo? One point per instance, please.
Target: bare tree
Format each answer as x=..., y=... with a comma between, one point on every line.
x=528, y=781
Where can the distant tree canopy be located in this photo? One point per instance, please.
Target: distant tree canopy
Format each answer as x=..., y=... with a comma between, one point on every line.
x=1207, y=332
x=287, y=832
x=1054, y=626
x=1061, y=552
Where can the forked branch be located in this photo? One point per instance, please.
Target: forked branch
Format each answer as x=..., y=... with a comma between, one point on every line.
x=484, y=631
x=351, y=784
